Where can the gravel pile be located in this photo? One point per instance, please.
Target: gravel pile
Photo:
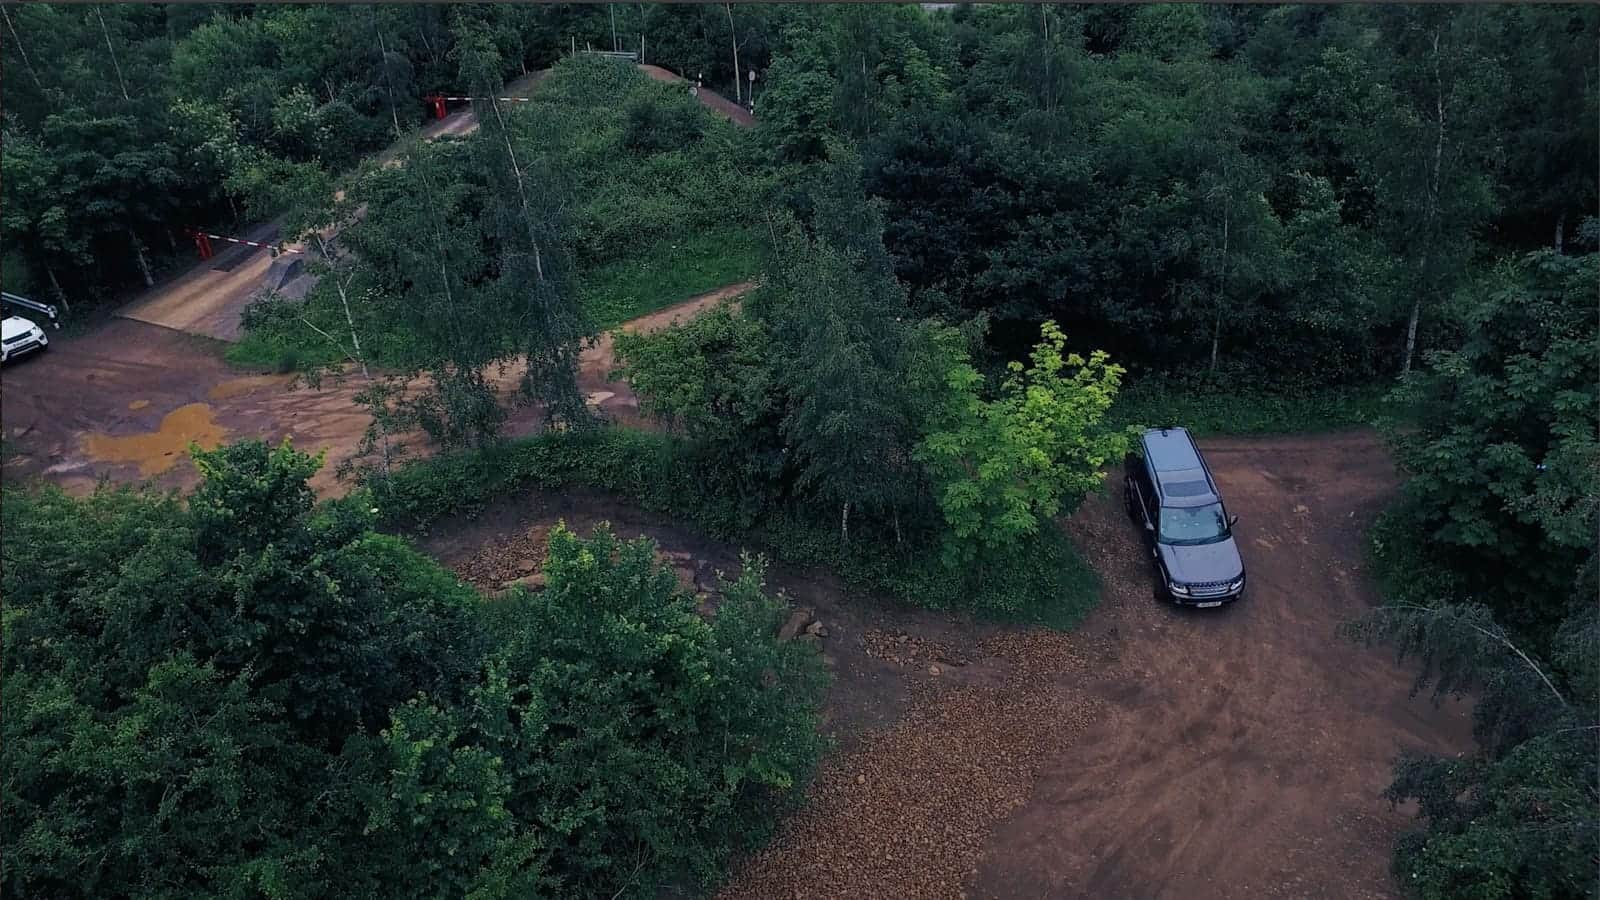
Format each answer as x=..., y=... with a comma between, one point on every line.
x=909, y=650
x=514, y=556
x=908, y=813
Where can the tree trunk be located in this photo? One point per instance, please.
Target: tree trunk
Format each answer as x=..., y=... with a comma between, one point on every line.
x=61, y=296
x=733, y=35
x=641, y=33
x=1431, y=232
x=612, y=9
x=1222, y=289
x=1216, y=338
x=16, y=41
x=388, y=83
x=1561, y=228
x=844, y=524
x=1411, y=335
x=113, y=51
x=144, y=264
x=361, y=359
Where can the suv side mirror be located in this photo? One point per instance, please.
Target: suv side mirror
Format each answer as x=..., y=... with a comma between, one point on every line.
x=1149, y=526
x=1233, y=520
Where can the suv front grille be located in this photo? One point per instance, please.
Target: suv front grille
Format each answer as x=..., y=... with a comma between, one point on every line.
x=1210, y=588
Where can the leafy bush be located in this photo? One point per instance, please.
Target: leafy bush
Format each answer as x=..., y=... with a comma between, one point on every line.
x=252, y=695
x=1516, y=818
x=1233, y=407
x=1502, y=454
x=1041, y=580
x=180, y=685
x=659, y=742
x=1001, y=466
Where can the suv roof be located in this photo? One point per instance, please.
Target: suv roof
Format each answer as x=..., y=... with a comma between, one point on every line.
x=1180, y=475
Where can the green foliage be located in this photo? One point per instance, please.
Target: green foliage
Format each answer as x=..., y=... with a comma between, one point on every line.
x=1502, y=458
x=1488, y=563
x=1043, y=580
x=1516, y=819
x=670, y=271
x=179, y=683
x=845, y=353
x=1527, y=830
x=1159, y=176
x=252, y=695
x=1002, y=466
x=711, y=378
x=1229, y=405
x=655, y=746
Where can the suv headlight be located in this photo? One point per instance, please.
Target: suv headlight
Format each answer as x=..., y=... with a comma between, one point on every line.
x=1177, y=588
x=1237, y=583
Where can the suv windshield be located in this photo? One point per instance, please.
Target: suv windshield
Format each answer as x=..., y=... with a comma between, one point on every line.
x=1193, y=525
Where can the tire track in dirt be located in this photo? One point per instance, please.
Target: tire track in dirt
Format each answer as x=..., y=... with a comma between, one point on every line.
x=1157, y=752
x=100, y=405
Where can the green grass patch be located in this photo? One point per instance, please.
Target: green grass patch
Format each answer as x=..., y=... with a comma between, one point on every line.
x=290, y=347
x=1153, y=400
x=672, y=271
x=1043, y=581
x=278, y=337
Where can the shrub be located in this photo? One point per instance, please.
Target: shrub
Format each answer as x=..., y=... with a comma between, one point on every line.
x=1041, y=580
x=255, y=695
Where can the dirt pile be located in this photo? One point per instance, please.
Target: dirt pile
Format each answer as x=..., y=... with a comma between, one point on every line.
x=515, y=556
x=907, y=814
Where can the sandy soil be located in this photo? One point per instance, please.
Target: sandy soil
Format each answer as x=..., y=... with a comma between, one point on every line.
x=125, y=400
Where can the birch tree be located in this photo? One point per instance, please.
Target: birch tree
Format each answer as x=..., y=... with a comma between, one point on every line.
x=1427, y=152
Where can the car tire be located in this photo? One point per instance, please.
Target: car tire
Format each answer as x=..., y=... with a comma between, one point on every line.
x=1128, y=502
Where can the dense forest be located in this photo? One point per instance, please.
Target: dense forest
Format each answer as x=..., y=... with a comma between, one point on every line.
x=978, y=233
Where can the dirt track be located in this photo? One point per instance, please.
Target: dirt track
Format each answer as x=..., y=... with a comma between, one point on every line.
x=209, y=299
x=124, y=401
x=1154, y=753
x=1157, y=753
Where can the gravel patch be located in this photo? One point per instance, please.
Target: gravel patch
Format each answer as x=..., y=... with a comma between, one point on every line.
x=907, y=814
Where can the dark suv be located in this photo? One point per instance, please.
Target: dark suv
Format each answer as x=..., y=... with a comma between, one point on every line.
x=1172, y=497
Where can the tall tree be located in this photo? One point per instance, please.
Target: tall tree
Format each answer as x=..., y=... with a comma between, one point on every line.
x=1428, y=148
x=535, y=281
x=838, y=319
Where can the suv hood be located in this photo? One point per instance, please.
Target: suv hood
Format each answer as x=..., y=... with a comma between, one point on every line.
x=15, y=326
x=1202, y=563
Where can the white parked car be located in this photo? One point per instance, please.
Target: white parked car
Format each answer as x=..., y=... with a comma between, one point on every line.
x=18, y=336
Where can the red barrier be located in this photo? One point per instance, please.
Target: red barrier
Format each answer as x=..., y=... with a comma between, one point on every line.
x=202, y=242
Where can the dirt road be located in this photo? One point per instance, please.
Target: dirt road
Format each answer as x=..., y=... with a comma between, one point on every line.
x=717, y=103
x=124, y=401
x=1157, y=753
